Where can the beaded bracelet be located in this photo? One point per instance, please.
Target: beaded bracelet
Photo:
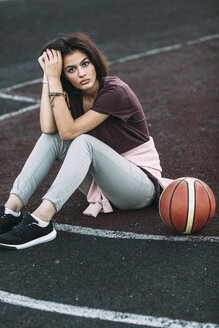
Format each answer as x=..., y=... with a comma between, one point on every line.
x=52, y=96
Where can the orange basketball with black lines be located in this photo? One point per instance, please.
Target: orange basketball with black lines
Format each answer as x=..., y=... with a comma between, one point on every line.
x=187, y=205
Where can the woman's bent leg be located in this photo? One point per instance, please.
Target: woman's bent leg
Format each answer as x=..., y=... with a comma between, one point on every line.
x=47, y=149
x=123, y=183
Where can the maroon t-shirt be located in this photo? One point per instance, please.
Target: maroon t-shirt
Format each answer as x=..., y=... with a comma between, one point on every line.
x=126, y=127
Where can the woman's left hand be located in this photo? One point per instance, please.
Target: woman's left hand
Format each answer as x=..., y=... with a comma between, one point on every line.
x=53, y=63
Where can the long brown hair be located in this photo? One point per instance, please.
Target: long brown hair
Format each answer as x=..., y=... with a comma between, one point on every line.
x=67, y=43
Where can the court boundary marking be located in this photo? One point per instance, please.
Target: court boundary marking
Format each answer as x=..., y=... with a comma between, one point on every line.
x=106, y=315
x=4, y=95
x=18, y=98
x=20, y=111
x=165, y=49
x=130, y=235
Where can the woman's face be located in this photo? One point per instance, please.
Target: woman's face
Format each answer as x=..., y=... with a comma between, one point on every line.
x=79, y=70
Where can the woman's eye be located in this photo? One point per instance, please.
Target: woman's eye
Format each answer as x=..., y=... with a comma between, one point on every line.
x=86, y=63
x=72, y=70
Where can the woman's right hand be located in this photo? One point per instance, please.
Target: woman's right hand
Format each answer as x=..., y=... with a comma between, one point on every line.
x=42, y=63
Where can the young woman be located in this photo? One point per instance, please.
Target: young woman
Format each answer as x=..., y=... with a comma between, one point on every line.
x=95, y=126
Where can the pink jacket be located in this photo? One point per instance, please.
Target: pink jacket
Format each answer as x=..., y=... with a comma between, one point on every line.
x=144, y=156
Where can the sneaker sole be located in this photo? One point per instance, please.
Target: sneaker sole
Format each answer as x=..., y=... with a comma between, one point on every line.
x=44, y=239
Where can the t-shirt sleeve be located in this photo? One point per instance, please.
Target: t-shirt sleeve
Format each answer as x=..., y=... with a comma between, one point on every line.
x=115, y=102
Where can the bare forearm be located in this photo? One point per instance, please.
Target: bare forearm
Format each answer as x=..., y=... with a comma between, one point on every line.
x=68, y=127
x=47, y=121
x=62, y=116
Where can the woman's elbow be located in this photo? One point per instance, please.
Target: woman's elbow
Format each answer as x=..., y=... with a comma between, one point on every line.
x=67, y=135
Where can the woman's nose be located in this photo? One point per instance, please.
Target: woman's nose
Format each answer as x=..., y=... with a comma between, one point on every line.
x=81, y=72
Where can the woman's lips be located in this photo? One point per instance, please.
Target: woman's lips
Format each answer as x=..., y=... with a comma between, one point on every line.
x=85, y=81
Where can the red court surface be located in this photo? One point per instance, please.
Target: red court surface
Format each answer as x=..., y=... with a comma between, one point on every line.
x=179, y=93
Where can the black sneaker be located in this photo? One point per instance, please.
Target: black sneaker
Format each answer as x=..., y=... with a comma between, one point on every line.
x=8, y=221
x=26, y=234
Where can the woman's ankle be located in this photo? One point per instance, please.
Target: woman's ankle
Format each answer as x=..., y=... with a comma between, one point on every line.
x=14, y=203
x=45, y=211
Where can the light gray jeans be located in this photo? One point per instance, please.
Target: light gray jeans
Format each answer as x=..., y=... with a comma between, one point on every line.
x=84, y=158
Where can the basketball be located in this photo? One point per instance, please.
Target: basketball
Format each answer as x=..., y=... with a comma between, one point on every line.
x=187, y=205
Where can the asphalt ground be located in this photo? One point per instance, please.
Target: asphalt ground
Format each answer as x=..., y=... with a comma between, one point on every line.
x=179, y=93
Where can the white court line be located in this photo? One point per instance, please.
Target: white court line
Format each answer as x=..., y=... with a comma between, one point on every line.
x=20, y=111
x=130, y=235
x=22, y=84
x=91, y=313
x=17, y=98
x=164, y=49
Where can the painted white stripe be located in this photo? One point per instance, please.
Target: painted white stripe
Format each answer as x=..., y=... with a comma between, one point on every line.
x=203, y=39
x=20, y=111
x=191, y=204
x=164, y=49
x=146, y=53
x=130, y=235
x=17, y=98
x=23, y=84
x=91, y=313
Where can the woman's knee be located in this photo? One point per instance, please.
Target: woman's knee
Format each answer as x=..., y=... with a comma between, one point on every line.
x=53, y=141
x=83, y=138
x=50, y=137
x=47, y=140
x=84, y=141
